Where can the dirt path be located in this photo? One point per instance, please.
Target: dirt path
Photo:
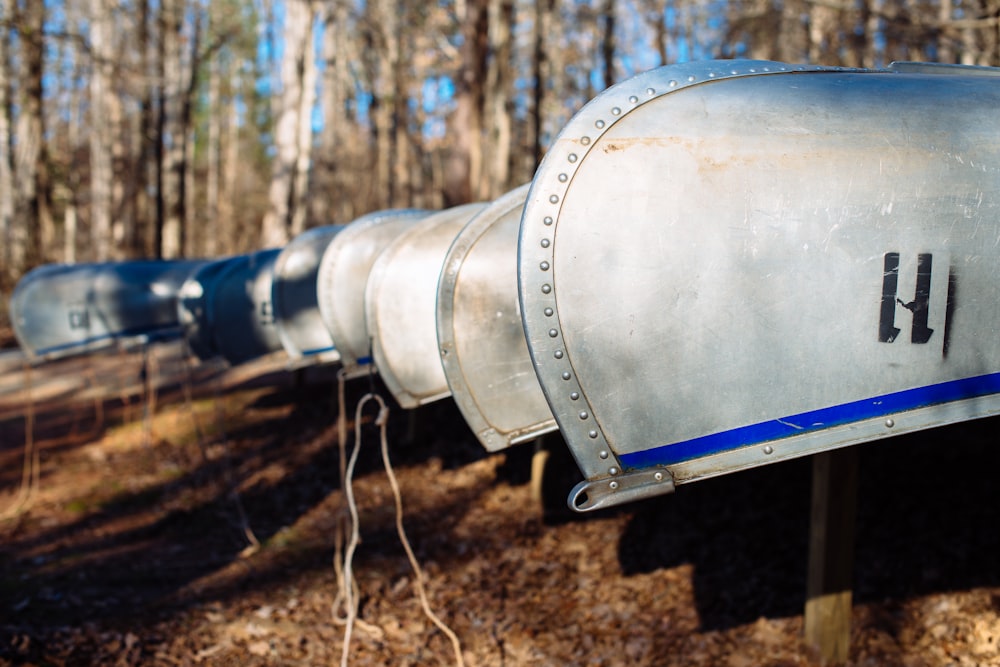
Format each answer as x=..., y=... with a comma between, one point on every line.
x=133, y=549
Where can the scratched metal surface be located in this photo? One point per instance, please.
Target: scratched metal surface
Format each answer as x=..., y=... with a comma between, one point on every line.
x=748, y=261
x=343, y=274
x=483, y=349
x=60, y=310
x=300, y=326
x=400, y=304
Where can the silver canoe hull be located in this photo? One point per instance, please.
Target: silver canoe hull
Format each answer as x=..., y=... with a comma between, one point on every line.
x=242, y=312
x=483, y=349
x=723, y=265
x=400, y=306
x=300, y=326
x=343, y=274
x=60, y=310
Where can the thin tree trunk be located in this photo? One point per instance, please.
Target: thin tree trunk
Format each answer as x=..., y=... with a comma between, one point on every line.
x=277, y=222
x=100, y=135
x=213, y=154
x=6, y=171
x=29, y=132
x=402, y=187
x=335, y=85
x=542, y=74
x=303, y=159
x=172, y=135
x=498, y=96
x=464, y=166
x=148, y=168
x=71, y=214
x=227, y=223
x=608, y=46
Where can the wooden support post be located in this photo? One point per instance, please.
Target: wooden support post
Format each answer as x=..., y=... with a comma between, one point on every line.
x=831, y=553
x=538, y=461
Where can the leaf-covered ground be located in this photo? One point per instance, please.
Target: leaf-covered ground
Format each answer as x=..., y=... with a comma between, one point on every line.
x=136, y=544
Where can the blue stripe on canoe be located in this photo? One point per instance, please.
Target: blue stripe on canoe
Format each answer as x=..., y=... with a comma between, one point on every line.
x=815, y=420
x=318, y=350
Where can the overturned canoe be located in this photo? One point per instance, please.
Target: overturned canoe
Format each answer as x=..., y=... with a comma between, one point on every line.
x=60, y=310
x=483, y=350
x=342, y=276
x=297, y=317
x=728, y=264
x=400, y=306
x=240, y=309
x=194, y=310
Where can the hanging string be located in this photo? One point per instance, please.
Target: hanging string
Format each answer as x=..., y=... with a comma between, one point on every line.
x=349, y=590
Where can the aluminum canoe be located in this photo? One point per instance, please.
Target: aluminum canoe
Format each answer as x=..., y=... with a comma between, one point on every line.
x=300, y=326
x=194, y=307
x=483, y=349
x=241, y=310
x=60, y=310
x=732, y=263
x=343, y=273
x=400, y=306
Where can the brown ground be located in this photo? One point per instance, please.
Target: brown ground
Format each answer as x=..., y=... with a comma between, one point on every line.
x=131, y=549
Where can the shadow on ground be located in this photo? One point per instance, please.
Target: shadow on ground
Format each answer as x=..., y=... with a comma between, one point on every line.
x=928, y=508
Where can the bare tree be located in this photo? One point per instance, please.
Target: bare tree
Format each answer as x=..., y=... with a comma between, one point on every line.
x=28, y=227
x=101, y=129
x=498, y=100
x=464, y=165
x=292, y=123
x=6, y=170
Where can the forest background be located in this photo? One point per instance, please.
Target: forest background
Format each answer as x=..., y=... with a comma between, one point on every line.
x=168, y=128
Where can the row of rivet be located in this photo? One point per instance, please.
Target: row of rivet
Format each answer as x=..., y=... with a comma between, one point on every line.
x=549, y=220
x=563, y=178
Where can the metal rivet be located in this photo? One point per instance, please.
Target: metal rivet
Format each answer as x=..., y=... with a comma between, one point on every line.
x=544, y=266
x=612, y=470
x=658, y=476
x=711, y=75
x=566, y=375
x=768, y=449
x=553, y=333
x=633, y=99
x=562, y=179
x=650, y=92
x=613, y=486
x=546, y=288
x=554, y=199
x=547, y=220
x=585, y=141
x=691, y=79
x=583, y=414
x=558, y=354
x=889, y=423
x=593, y=434
x=616, y=111
x=603, y=454
x=574, y=396
x=599, y=124
x=672, y=84
x=545, y=243
x=549, y=312
x=572, y=157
